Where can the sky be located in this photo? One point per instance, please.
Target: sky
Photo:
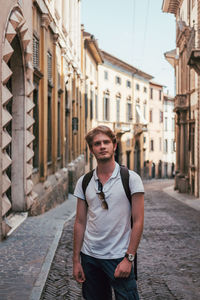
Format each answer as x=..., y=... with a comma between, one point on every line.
x=135, y=31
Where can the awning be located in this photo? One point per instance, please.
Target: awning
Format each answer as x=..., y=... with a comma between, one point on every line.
x=141, y=118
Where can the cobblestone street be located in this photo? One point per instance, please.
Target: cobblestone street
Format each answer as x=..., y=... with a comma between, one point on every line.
x=168, y=257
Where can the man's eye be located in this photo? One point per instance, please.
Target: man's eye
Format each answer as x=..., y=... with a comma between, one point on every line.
x=96, y=144
x=106, y=142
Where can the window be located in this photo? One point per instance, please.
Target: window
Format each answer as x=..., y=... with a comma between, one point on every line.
x=49, y=66
x=145, y=89
x=172, y=145
x=118, y=109
x=160, y=95
x=118, y=80
x=144, y=139
x=151, y=93
x=152, y=145
x=36, y=53
x=137, y=87
x=86, y=102
x=59, y=132
x=106, y=107
x=49, y=126
x=36, y=128
x=106, y=75
x=166, y=107
x=129, y=112
x=96, y=106
x=173, y=124
x=144, y=111
x=160, y=144
x=137, y=114
x=161, y=116
x=128, y=83
x=166, y=123
x=151, y=115
x=91, y=105
x=166, y=146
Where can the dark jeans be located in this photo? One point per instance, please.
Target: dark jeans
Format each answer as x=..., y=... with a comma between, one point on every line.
x=100, y=278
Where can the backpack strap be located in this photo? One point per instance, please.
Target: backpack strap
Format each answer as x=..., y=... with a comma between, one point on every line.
x=125, y=181
x=86, y=179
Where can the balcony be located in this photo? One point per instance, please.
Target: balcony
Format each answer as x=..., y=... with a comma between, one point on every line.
x=181, y=102
x=193, y=51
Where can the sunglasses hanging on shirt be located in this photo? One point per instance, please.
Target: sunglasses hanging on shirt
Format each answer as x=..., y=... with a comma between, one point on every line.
x=101, y=196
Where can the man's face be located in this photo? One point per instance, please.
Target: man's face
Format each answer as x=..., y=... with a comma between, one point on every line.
x=103, y=147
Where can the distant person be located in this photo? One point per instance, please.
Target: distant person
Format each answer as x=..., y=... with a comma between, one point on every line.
x=104, y=242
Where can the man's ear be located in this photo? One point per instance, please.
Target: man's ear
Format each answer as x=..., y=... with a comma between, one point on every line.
x=115, y=146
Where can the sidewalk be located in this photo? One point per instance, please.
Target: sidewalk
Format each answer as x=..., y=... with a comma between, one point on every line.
x=184, y=198
x=26, y=256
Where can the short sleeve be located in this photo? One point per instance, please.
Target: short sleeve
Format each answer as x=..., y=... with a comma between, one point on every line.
x=135, y=183
x=78, y=192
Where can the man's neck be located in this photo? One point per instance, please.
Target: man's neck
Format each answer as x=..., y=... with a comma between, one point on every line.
x=105, y=169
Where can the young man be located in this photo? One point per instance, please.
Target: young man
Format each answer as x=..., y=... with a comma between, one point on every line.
x=104, y=242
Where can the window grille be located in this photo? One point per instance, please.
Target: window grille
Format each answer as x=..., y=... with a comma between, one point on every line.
x=36, y=55
x=49, y=63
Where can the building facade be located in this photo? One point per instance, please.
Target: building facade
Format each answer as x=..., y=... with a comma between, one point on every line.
x=120, y=106
x=168, y=137
x=92, y=58
x=186, y=61
x=41, y=105
x=155, y=130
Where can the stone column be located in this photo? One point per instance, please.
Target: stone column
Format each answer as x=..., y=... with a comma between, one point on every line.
x=44, y=98
x=63, y=109
x=182, y=144
x=55, y=105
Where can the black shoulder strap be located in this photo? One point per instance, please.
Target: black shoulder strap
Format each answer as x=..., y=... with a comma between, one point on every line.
x=125, y=181
x=86, y=180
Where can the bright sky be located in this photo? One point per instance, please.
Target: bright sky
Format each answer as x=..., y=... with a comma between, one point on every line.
x=135, y=31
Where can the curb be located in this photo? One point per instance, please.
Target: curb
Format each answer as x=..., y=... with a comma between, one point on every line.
x=187, y=199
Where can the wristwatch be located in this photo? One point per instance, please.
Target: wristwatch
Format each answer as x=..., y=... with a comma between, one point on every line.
x=130, y=257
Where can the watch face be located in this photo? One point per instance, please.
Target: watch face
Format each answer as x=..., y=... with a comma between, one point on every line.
x=131, y=257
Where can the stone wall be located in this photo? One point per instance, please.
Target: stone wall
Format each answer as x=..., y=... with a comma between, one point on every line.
x=76, y=169
x=50, y=193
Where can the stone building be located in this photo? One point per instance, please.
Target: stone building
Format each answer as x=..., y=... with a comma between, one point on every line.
x=91, y=59
x=168, y=137
x=41, y=105
x=186, y=61
x=155, y=130
x=122, y=105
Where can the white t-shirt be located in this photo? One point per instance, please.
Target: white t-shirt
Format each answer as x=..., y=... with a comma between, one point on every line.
x=107, y=232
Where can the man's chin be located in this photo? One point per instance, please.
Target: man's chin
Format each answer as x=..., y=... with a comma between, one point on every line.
x=104, y=159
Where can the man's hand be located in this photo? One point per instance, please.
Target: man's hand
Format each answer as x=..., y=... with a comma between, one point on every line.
x=123, y=269
x=78, y=273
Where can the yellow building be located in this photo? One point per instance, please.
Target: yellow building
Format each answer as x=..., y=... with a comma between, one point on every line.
x=41, y=105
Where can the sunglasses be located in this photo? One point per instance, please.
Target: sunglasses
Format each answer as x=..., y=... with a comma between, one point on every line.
x=101, y=196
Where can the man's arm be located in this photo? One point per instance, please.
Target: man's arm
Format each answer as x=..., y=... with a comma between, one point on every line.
x=79, y=230
x=124, y=268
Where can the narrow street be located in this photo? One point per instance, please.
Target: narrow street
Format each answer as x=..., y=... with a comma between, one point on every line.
x=168, y=257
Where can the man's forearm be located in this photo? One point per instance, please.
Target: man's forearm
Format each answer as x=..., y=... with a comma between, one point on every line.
x=79, y=231
x=135, y=238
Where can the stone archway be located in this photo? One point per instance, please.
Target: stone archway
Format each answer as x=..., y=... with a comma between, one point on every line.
x=17, y=121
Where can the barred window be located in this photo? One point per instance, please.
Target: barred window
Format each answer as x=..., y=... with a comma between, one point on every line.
x=36, y=55
x=49, y=63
